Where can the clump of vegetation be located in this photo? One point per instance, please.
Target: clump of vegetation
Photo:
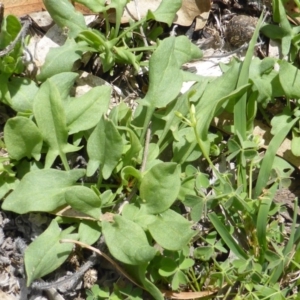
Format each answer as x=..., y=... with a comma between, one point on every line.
x=157, y=183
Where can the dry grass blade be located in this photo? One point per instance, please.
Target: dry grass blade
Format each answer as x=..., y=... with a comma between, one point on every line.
x=106, y=257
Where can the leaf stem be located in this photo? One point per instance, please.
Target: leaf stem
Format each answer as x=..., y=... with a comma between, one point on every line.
x=142, y=48
x=130, y=28
x=65, y=161
x=146, y=148
x=107, y=25
x=105, y=256
x=100, y=177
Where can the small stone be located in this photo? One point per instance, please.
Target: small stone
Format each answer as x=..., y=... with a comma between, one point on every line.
x=240, y=30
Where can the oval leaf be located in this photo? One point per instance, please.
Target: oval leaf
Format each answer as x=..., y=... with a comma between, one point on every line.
x=160, y=187
x=85, y=112
x=127, y=241
x=89, y=232
x=51, y=120
x=171, y=230
x=104, y=148
x=84, y=200
x=22, y=138
x=65, y=15
x=45, y=254
x=22, y=91
x=41, y=190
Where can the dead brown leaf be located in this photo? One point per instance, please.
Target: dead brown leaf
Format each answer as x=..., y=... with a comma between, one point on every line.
x=22, y=7
x=188, y=295
x=69, y=212
x=292, y=10
x=192, y=9
x=25, y=7
x=189, y=10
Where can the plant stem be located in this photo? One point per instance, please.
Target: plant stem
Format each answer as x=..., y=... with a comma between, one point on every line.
x=133, y=26
x=206, y=155
x=107, y=25
x=99, y=181
x=146, y=149
x=142, y=48
x=141, y=27
x=250, y=180
x=65, y=161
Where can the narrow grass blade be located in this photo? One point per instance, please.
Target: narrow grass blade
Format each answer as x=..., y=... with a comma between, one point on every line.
x=262, y=220
x=268, y=160
x=226, y=236
x=288, y=248
x=240, y=108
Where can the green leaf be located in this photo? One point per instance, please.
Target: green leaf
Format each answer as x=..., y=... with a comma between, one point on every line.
x=168, y=267
x=51, y=120
x=166, y=11
x=204, y=253
x=296, y=143
x=89, y=232
x=64, y=82
x=45, y=254
x=262, y=219
x=280, y=16
x=84, y=200
x=104, y=148
x=281, y=120
x=160, y=187
x=22, y=91
x=273, y=31
x=7, y=184
x=61, y=59
x=213, y=98
x=267, y=163
x=226, y=236
x=131, y=154
x=128, y=173
x=262, y=74
x=8, y=65
x=289, y=78
x=41, y=190
x=139, y=272
x=187, y=188
x=165, y=67
x=137, y=215
x=65, y=15
x=10, y=28
x=171, y=231
x=85, y=112
x=186, y=148
x=124, y=56
x=288, y=251
x=127, y=241
x=22, y=138
x=197, y=210
x=4, y=92
x=240, y=113
x=130, y=211
x=118, y=6
x=153, y=153
x=181, y=105
x=186, y=264
x=179, y=278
